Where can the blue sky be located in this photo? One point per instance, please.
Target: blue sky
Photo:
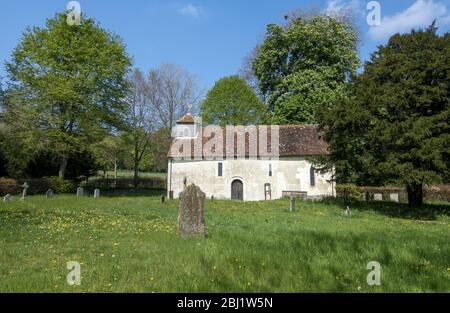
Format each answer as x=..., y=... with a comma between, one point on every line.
x=210, y=38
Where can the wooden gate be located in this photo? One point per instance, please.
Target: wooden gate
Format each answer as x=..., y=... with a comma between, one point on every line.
x=237, y=190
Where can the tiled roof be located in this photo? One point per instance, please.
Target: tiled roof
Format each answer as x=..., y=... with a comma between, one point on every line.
x=186, y=119
x=294, y=140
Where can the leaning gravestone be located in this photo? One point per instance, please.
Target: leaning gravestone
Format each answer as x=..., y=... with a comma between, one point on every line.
x=7, y=198
x=191, y=221
x=80, y=191
x=24, y=192
x=394, y=197
x=49, y=193
x=97, y=193
x=378, y=197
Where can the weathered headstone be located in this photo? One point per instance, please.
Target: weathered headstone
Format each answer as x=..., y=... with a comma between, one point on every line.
x=292, y=203
x=378, y=197
x=163, y=199
x=191, y=221
x=348, y=212
x=394, y=197
x=97, y=193
x=49, y=193
x=7, y=198
x=24, y=192
x=80, y=191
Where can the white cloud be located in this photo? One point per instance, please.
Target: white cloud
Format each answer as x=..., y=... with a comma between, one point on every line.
x=420, y=14
x=336, y=6
x=191, y=10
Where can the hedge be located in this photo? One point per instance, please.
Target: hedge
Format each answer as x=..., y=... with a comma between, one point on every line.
x=156, y=183
x=36, y=185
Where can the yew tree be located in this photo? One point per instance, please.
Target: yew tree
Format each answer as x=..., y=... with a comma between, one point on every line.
x=393, y=126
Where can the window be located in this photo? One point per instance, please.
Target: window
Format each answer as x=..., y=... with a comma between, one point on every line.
x=220, y=169
x=312, y=176
x=270, y=170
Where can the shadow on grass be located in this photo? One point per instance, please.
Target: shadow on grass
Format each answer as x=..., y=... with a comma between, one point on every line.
x=400, y=210
x=116, y=193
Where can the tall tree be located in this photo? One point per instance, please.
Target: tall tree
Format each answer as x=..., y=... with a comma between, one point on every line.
x=110, y=152
x=68, y=85
x=305, y=65
x=232, y=102
x=171, y=90
x=140, y=119
x=393, y=128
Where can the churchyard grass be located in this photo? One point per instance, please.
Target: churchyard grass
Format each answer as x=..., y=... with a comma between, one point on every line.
x=130, y=244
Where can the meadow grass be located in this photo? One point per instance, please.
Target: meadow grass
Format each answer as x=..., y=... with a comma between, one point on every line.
x=130, y=244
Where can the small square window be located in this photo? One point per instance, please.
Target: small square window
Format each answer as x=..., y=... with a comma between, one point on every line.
x=220, y=169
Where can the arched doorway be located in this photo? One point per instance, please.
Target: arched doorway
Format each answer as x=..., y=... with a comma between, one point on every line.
x=237, y=190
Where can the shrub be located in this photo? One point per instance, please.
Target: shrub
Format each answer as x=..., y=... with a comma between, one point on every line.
x=9, y=186
x=348, y=192
x=60, y=185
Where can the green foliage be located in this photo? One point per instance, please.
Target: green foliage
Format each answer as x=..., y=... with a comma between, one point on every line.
x=393, y=126
x=68, y=86
x=110, y=152
x=45, y=163
x=130, y=244
x=61, y=185
x=232, y=102
x=304, y=66
x=349, y=191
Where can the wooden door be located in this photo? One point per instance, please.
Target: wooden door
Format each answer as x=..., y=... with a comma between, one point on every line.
x=237, y=190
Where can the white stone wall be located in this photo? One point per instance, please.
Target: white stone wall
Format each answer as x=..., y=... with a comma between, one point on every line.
x=288, y=174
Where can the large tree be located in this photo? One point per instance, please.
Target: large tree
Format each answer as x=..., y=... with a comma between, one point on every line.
x=232, y=102
x=140, y=119
x=304, y=65
x=393, y=127
x=68, y=86
x=171, y=90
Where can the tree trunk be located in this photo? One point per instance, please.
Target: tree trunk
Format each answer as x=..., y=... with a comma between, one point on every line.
x=415, y=195
x=62, y=167
x=136, y=173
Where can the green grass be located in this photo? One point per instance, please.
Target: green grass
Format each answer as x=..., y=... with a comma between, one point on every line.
x=130, y=244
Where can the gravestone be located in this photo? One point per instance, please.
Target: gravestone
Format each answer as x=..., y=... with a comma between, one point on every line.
x=163, y=199
x=292, y=203
x=394, y=197
x=97, y=193
x=378, y=197
x=7, y=198
x=191, y=221
x=24, y=192
x=80, y=191
x=49, y=193
x=348, y=212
